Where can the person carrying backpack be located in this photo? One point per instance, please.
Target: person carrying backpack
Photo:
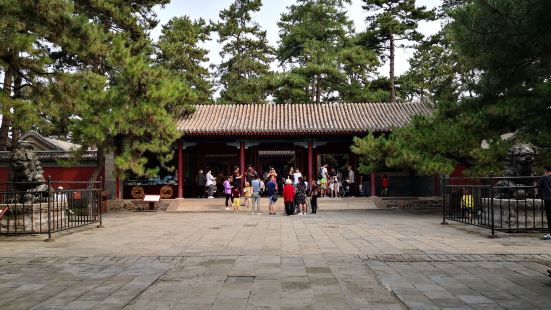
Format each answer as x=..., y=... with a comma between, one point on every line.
x=257, y=187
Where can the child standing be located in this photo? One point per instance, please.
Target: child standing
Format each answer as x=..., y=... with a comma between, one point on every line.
x=236, y=200
x=467, y=203
x=323, y=185
x=247, y=192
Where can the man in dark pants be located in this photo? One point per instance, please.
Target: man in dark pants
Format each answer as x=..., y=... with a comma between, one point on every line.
x=314, y=193
x=201, y=180
x=545, y=194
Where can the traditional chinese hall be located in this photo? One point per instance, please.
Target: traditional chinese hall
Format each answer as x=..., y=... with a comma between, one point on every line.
x=303, y=136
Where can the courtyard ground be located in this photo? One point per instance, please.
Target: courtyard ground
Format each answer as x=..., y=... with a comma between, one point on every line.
x=370, y=259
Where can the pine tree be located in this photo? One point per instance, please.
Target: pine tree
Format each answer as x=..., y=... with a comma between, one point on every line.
x=359, y=66
x=506, y=43
x=179, y=52
x=135, y=115
x=27, y=28
x=244, y=72
x=438, y=72
x=86, y=68
x=391, y=21
x=313, y=34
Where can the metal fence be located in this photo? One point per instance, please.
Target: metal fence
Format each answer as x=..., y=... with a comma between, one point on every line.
x=510, y=204
x=57, y=206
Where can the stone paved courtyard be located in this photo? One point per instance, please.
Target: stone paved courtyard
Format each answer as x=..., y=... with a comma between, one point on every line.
x=373, y=259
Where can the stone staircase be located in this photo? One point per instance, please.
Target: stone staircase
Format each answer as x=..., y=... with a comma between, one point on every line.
x=217, y=205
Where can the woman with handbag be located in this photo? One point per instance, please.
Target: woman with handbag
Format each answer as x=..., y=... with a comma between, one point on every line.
x=300, y=198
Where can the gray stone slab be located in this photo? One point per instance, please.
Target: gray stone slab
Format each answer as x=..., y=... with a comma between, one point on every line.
x=345, y=260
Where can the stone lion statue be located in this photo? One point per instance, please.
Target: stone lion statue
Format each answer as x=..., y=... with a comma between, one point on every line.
x=519, y=161
x=27, y=174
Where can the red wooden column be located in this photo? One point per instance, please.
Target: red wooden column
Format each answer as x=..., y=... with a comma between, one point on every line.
x=242, y=161
x=180, y=170
x=310, y=160
x=373, y=187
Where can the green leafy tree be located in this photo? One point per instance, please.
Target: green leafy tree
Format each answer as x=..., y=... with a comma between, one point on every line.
x=391, y=22
x=179, y=52
x=244, y=73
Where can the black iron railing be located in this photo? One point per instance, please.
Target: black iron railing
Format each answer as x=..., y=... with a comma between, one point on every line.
x=58, y=206
x=510, y=204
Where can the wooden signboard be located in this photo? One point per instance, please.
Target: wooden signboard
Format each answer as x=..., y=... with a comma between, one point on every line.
x=152, y=198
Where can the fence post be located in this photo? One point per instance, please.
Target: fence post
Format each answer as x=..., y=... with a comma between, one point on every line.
x=443, y=189
x=492, y=205
x=49, y=210
x=100, y=202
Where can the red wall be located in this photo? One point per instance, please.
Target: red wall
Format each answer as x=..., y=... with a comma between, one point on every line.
x=4, y=173
x=69, y=173
x=57, y=173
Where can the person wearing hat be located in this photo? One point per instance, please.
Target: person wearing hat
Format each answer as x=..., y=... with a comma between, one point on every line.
x=289, y=197
x=60, y=196
x=545, y=194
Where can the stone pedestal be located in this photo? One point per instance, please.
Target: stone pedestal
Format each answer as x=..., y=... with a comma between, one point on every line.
x=33, y=218
x=513, y=213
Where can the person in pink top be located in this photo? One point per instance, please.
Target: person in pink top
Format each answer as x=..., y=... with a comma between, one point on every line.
x=227, y=191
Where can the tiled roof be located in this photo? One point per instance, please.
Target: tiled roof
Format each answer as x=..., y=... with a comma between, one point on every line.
x=64, y=145
x=299, y=119
x=46, y=143
x=46, y=156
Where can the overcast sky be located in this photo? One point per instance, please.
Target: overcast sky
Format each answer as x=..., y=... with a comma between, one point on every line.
x=269, y=16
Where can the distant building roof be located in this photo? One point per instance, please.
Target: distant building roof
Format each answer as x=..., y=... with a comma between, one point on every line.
x=49, y=149
x=299, y=119
x=41, y=143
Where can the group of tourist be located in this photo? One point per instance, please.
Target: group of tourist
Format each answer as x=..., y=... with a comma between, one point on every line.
x=330, y=182
x=299, y=195
x=333, y=184
x=245, y=189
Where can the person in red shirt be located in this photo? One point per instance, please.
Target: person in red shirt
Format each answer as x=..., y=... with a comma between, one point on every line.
x=289, y=197
x=386, y=185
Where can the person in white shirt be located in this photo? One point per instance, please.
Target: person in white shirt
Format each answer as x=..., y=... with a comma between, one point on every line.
x=60, y=196
x=351, y=182
x=296, y=175
x=323, y=171
x=211, y=182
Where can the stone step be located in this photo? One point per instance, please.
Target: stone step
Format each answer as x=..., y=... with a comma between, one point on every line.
x=218, y=204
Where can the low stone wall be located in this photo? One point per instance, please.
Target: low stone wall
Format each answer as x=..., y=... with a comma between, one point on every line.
x=32, y=218
x=133, y=205
x=408, y=202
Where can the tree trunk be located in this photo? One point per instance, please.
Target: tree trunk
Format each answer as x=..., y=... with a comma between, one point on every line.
x=318, y=89
x=391, y=73
x=16, y=131
x=6, y=117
